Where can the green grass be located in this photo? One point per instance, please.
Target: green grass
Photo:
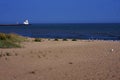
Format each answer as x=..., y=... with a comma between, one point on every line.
x=10, y=40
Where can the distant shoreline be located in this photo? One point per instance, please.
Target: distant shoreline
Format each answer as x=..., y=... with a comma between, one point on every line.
x=14, y=24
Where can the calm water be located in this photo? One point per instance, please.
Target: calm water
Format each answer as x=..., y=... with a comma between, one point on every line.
x=108, y=31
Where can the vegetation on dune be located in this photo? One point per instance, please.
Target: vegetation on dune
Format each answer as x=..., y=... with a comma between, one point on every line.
x=74, y=39
x=55, y=39
x=10, y=40
x=37, y=40
x=65, y=40
x=49, y=39
x=14, y=40
x=8, y=44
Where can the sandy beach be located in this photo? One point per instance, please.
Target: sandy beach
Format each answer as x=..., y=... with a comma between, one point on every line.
x=61, y=60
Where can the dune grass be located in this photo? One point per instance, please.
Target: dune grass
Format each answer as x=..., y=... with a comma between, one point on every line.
x=10, y=40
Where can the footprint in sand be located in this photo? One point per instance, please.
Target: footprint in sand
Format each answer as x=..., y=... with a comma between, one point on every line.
x=70, y=63
x=39, y=56
x=49, y=51
x=32, y=72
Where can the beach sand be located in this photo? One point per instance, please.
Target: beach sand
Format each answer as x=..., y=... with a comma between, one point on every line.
x=62, y=60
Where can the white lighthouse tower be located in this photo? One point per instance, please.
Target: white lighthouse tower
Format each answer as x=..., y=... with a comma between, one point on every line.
x=26, y=22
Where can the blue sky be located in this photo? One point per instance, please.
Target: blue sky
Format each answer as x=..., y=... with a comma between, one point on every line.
x=60, y=11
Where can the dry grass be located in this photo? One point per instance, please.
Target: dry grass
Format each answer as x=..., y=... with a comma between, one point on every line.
x=10, y=40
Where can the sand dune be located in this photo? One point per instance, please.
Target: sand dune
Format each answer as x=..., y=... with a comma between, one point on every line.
x=62, y=60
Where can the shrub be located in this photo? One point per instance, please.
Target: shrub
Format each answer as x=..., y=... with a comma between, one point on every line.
x=49, y=39
x=74, y=39
x=65, y=40
x=55, y=39
x=37, y=40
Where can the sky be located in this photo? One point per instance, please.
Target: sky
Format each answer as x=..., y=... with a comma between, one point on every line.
x=60, y=11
